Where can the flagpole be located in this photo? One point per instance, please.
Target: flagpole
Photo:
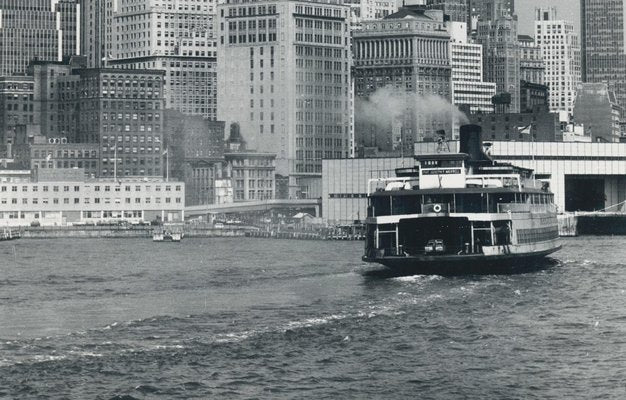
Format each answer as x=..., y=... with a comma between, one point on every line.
x=115, y=162
x=532, y=148
x=167, y=164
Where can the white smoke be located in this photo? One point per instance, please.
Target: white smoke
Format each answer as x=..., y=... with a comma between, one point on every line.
x=388, y=106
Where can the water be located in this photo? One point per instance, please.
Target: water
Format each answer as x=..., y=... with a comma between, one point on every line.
x=256, y=318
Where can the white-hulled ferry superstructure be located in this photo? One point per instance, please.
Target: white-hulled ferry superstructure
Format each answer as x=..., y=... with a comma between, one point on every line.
x=458, y=213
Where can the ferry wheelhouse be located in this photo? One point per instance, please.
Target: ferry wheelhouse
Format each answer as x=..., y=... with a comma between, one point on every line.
x=456, y=213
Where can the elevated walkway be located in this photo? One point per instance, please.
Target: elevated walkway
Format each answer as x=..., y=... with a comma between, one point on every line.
x=251, y=206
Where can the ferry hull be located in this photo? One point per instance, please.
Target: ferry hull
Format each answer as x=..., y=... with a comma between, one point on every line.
x=465, y=264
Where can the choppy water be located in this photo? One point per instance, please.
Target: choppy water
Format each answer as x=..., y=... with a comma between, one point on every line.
x=255, y=318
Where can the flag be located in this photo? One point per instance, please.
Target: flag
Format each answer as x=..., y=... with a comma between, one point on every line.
x=524, y=129
x=164, y=152
x=48, y=157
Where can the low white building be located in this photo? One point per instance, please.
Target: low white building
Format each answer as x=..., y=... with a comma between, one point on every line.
x=71, y=202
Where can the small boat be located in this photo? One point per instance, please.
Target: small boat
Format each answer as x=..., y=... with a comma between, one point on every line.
x=460, y=213
x=168, y=233
x=10, y=234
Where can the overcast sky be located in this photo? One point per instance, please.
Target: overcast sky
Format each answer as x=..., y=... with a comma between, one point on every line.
x=566, y=9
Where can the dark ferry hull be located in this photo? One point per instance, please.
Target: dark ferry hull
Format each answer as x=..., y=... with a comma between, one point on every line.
x=465, y=264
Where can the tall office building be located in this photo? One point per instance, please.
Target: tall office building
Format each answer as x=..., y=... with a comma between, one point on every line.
x=561, y=54
x=16, y=106
x=603, y=39
x=283, y=73
x=364, y=10
x=597, y=109
x=96, y=26
x=455, y=9
x=401, y=68
x=532, y=68
x=123, y=112
x=489, y=10
x=502, y=58
x=36, y=30
x=466, y=60
x=176, y=36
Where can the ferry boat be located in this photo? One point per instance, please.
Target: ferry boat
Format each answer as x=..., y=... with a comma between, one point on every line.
x=460, y=213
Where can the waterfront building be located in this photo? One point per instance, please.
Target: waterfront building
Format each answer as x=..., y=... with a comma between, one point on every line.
x=16, y=106
x=602, y=25
x=561, y=54
x=195, y=154
x=532, y=67
x=56, y=153
x=501, y=58
x=402, y=68
x=174, y=36
x=597, y=108
x=122, y=110
x=36, y=29
x=284, y=76
x=537, y=125
x=252, y=173
x=344, y=185
x=533, y=95
x=466, y=59
x=53, y=200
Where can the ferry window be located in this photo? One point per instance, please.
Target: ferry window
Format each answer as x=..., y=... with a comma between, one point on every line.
x=405, y=205
x=381, y=205
x=470, y=202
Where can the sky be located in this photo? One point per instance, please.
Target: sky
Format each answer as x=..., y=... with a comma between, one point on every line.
x=565, y=9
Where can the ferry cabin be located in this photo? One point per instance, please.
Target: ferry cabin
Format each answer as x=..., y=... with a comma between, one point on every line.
x=473, y=208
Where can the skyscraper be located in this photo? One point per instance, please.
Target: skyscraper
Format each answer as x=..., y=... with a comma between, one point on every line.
x=466, y=60
x=561, y=55
x=96, y=25
x=604, y=44
x=489, y=10
x=532, y=68
x=363, y=10
x=455, y=9
x=401, y=68
x=284, y=75
x=176, y=36
x=501, y=57
x=36, y=29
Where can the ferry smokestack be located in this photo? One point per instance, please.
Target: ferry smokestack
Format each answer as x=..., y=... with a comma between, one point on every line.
x=471, y=142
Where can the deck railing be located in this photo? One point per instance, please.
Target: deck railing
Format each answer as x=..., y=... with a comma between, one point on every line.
x=506, y=180
x=388, y=184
